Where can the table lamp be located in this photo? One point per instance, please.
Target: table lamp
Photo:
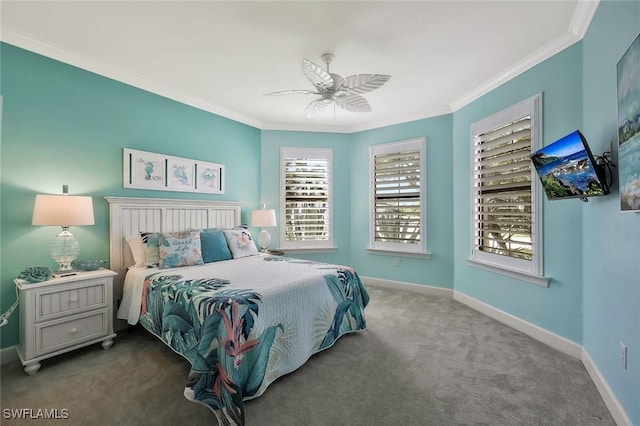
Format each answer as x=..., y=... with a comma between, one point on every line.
x=263, y=218
x=63, y=210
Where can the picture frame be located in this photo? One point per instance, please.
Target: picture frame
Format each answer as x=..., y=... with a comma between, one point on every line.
x=181, y=174
x=628, y=87
x=149, y=170
x=144, y=170
x=210, y=177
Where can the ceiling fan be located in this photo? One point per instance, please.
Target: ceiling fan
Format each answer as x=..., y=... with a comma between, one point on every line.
x=332, y=88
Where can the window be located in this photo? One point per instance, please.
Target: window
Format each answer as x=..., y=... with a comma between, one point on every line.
x=506, y=204
x=306, y=198
x=398, y=200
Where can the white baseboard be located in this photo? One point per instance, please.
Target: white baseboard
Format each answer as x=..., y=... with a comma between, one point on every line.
x=560, y=343
x=8, y=355
x=556, y=341
x=415, y=288
x=615, y=408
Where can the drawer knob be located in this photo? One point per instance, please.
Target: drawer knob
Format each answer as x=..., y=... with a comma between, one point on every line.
x=74, y=330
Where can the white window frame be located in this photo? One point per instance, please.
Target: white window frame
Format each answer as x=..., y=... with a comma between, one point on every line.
x=314, y=245
x=390, y=248
x=527, y=270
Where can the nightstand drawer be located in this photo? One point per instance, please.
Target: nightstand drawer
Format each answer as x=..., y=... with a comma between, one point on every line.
x=55, y=335
x=70, y=299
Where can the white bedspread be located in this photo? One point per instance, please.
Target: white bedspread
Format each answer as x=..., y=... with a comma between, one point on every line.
x=239, y=269
x=282, y=282
x=244, y=322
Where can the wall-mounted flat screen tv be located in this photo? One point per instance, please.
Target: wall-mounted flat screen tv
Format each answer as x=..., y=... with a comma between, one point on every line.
x=567, y=169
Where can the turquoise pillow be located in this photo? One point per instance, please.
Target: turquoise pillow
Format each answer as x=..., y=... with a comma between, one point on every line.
x=214, y=245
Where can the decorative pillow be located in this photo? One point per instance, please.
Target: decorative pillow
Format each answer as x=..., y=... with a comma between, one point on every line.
x=180, y=249
x=137, y=250
x=151, y=242
x=214, y=245
x=240, y=242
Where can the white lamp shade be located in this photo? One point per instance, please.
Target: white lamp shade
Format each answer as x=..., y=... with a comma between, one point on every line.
x=63, y=210
x=263, y=218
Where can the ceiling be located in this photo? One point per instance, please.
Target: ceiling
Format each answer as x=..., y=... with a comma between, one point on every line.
x=224, y=57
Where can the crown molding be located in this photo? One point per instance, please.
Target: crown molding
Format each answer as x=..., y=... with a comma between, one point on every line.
x=291, y=127
x=406, y=118
x=20, y=40
x=360, y=127
x=537, y=57
x=582, y=16
x=585, y=10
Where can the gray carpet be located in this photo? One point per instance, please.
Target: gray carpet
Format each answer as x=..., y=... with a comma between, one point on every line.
x=424, y=360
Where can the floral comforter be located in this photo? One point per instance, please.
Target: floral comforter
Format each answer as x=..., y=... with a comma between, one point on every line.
x=245, y=322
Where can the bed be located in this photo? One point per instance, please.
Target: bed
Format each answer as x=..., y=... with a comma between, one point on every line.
x=242, y=322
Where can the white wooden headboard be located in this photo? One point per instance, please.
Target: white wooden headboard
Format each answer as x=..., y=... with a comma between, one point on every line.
x=130, y=216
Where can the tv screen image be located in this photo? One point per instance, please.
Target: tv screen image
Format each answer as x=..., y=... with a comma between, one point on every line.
x=567, y=169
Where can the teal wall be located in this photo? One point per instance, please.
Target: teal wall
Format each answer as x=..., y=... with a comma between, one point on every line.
x=611, y=239
x=272, y=141
x=351, y=197
x=53, y=112
x=591, y=250
x=438, y=270
x=62, y=125
x=559, y=307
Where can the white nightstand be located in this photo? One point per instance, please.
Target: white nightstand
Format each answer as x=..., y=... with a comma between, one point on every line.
x=64, y=314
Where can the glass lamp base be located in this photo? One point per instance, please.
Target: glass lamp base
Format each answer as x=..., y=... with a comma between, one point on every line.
x=65, y=249
x=264, y=239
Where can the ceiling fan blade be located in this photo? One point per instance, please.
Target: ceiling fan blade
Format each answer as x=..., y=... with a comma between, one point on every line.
x=315, y=107
x=338, y=81
x=316, y=75
x=363, y=83
x=353, y=102
x=292, y=92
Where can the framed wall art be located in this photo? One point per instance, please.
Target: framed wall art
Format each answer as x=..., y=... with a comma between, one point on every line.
x=148, y=170
x=210, y=177
x=180, y=174
x=629, y=127
x=144, y=170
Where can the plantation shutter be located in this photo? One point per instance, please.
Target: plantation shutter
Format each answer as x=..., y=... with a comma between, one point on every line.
x=306, y=199
x=397, y=197
x=503, y=220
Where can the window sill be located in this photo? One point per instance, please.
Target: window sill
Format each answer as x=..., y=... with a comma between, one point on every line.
x=308, y=249
x=380, y=252
x=523, y=276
